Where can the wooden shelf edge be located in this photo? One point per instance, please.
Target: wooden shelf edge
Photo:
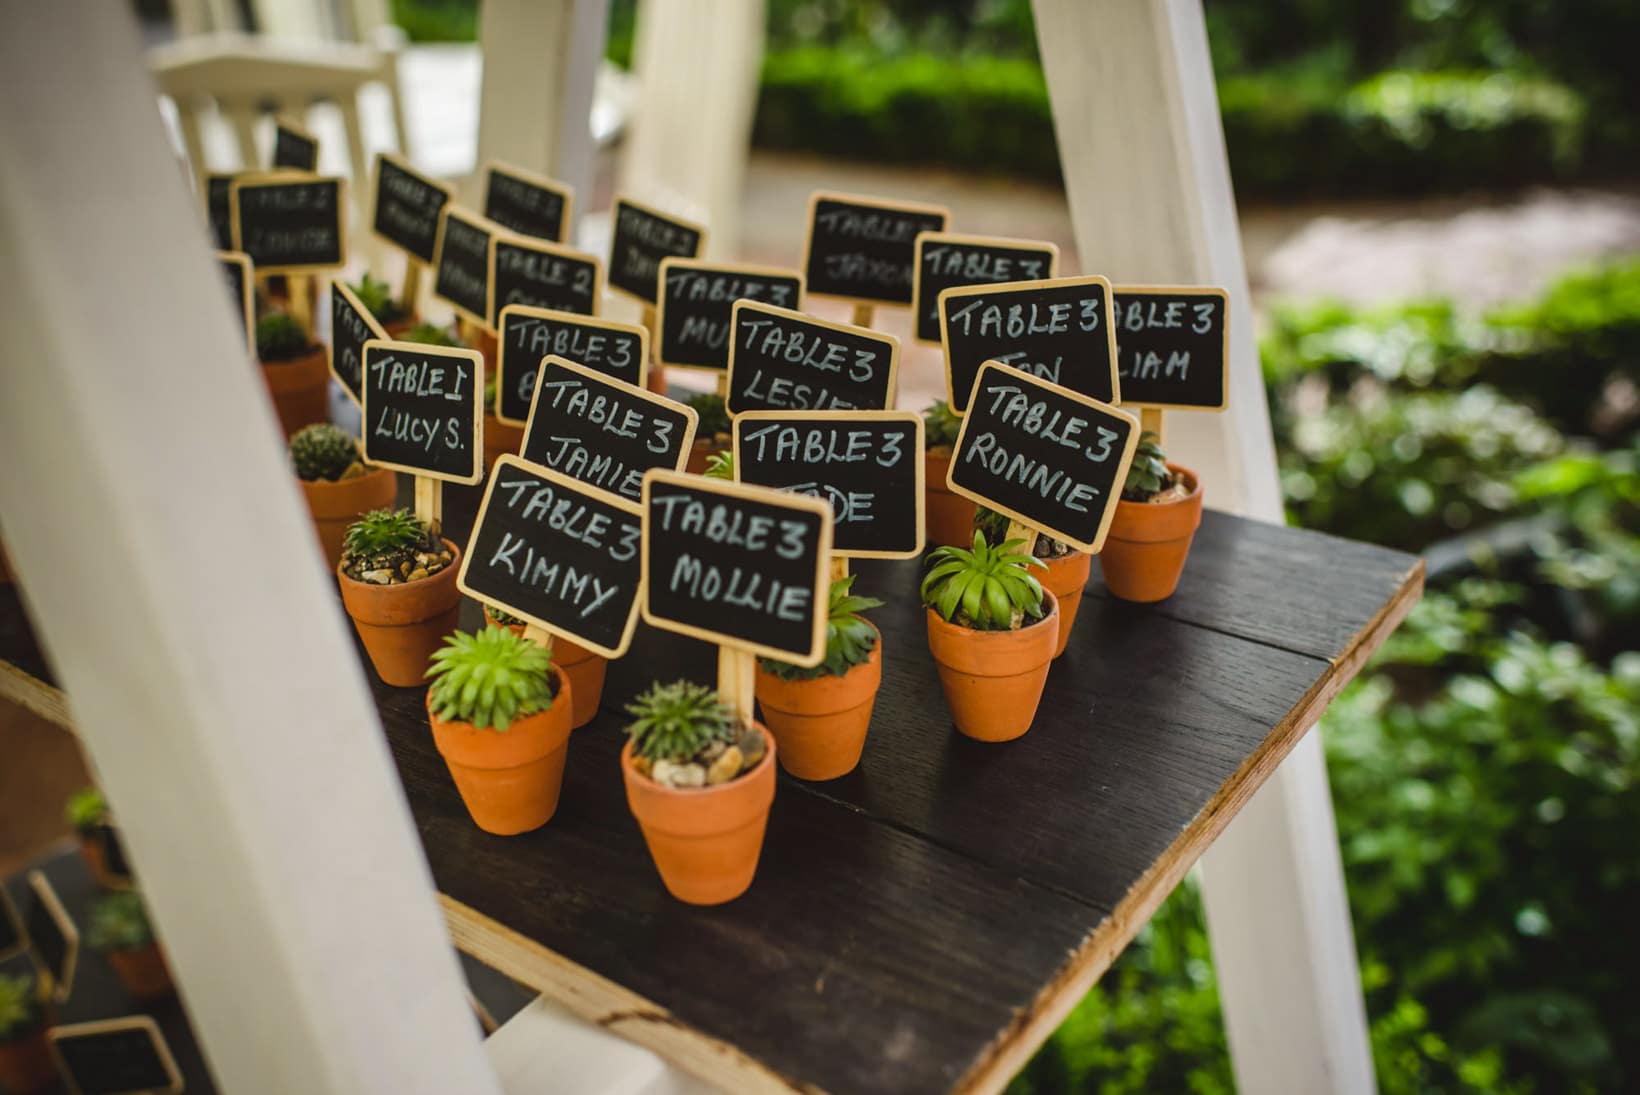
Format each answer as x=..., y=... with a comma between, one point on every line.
x=27, y=690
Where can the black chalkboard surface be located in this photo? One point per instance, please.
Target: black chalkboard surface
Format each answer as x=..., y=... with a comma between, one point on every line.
x=1174, y=343
x=946, y=260
x=461, y=263
x=542, y=275
x=561, y=554
x=526, y=335
x=640, y=239
x=115, y=1056
x=12, y=939
x=351, y=326
x=236, y=267
x=747, y=567
x=423, y=408
x=863, y=249
x=1057, y=330
x=602, y=431
x=525, y=202
x=218, y=212
x=294, y=147
x=407, y=208
x=780, y=359
x=289, y=223
x=867, y=464
x=697, y=303
x=1044, y=455
x=52, y=934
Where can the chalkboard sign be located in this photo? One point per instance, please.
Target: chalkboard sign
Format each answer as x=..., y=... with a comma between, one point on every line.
x=294, y=147
x=780, y=359
x=1174, y=343
x=526, y=202
x=697, y=304
x=52, y=934
x=542, y=275
x=602, y=431
x=1057, y=330
x=528, y=334
x=560, y=554
x=218, y=210
x=461, y=263
x=1044, y=455
x=407, y=208
x=864, y=249
x=946, y=260
x=746, y=567
x=422, y=409
x=116, y=1057
x=867, y=464
x=640, y=239
x=236, y=267
x=289, y=223
x=12, y=937
x=351, y=326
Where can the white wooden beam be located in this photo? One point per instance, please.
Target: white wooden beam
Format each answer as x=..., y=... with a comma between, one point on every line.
x=166, y=556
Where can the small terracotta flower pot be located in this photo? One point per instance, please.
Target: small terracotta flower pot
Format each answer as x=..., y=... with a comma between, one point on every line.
x=402, y=625
x=701, y=453
x=25, y=1062
x=656, y=380
x=705, y=841
x=1065, y=578
x=821, y=724
x=509, y=779
x=95, y=856
x=142, y=971
x=300, y=388
x=950, y=517
x=584, y=669
x=401, y=327
x=1148, y=542
x=500, y=438
x=993, y=679
x=337, y=505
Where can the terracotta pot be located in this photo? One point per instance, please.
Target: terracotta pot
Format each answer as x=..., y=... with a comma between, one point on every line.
x=26, y=1064
x=704, y=841
x=821, y=724
x=655, y=381
x=335, y=506
x=401, y=327
x=500, y=438
x=993, y=679
x=1065, y=578
x=142, y=971
x=701, y=452
x=1147, y=544
x=402, y=625
x=95, y=856
x=509, y=779
x=584, y=669
x=300, y=388
x=950, y=517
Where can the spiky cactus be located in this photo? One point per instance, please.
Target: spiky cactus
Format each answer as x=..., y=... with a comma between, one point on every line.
x=322, y=452
x=675, y=722
x=385, y=532
x=489, y=679
x=279, y=337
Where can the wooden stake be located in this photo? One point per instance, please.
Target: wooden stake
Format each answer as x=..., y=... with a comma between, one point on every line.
x=1150, y=421
x=723, y=385
x=412, y=286
x=540, y=636
x=862, y=315
x=300, y=287
x=839, y=567
x=467, y=331
x=1019, y=530
x=430, y=502
x=737, y=681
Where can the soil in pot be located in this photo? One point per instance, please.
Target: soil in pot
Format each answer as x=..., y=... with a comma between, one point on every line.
x=584, y=668
x=820, y=723
x=403, y=609
x=300, y=387
x=510, y=779
x=950, y=517
x=336, y=505
x=1148, y=542
x=25, y=1062
x=993, y=680
x=142, y=971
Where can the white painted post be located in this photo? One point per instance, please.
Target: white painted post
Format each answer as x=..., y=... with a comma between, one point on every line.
x=1136, y=116
x=167, y=558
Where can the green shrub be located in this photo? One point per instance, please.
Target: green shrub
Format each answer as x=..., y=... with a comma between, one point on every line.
x=849, y=638
x=119, y=922
x=489, y=679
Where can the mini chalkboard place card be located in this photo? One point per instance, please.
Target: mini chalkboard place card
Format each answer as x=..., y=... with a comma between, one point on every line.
x=52, y=935
x=294, y=147
x=289, y=223
x=525, y=202
x=526, y=335
x=640, y=238
x=947, y=260
x=782, y=359
x=697, y=307
x=1057, y=330
x=1174, y=345
x=867, y=464
x=603, y=431
x=218, y=212
x=1046, y=456
x=863, y=249
x=461, y=263
x=241, y=275
x=407, y=207
x=422, y=409
x=13, y=939
x=746, y=567
x=560, y=554
x=115, y=1057
x=351, y=326
x=542, y=275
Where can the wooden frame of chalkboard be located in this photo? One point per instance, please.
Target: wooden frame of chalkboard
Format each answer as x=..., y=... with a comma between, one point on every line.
x=1124, y=458
x=476, y=404
x=574, y=486
x=214, y=188
x=557, y=251
x=13, y=936
x=922, y=300
x=1183, y=292
x=403, y=167
x=803, y=319
x=293, y=146
x=243, y=182
x=614, y=268
x=564, y=192
x=102, y=1028
x=765, y=496
x=507, y=360
x=375, y=332
x=247, y=293
x=710, y=266
x=479, y=223
x=865, y=201
x=913, y=457
x=62, y=980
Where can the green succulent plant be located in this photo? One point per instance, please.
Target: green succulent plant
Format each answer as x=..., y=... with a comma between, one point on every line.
x=431, y=334
x=322, y=452
x=714, y=414
x=20, y=1011
x=721, y=465
x=994, y=527
x=505, y=618
x=491, y=394
x=377, y=296
x=119, y=922
x=87, y=809
x=849, y=638
x=279, y=337
x=940, y=425
x=1148, y=474
x=986, y=587
x=385, y=531
x=489, y=678
x=676, y=721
